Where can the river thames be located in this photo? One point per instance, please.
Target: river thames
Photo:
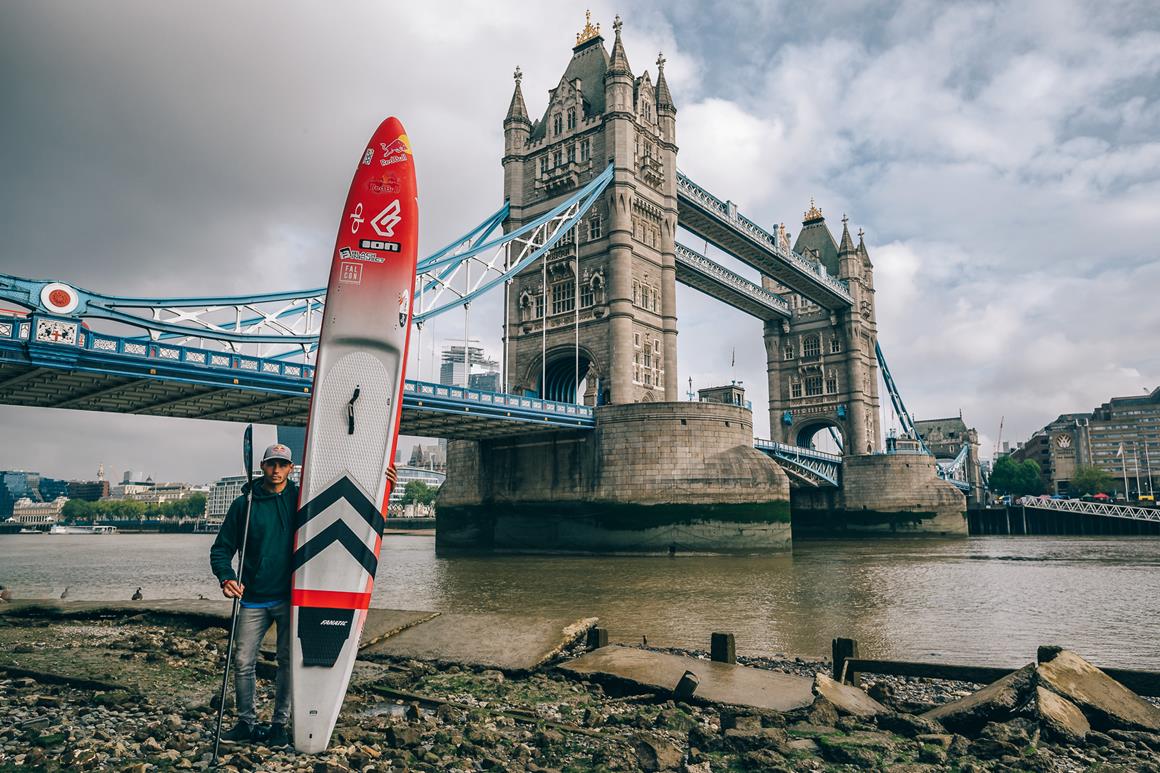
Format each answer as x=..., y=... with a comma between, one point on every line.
x=987, y=600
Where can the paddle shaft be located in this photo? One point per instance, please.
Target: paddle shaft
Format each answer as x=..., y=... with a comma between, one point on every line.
x=248, y=458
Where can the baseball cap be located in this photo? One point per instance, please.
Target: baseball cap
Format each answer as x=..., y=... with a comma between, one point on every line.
x=277, y=451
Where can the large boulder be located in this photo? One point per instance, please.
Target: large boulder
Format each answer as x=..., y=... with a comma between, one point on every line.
x=1059, y=717
x=1105, y=702
x=847, y=699
x=997, y=702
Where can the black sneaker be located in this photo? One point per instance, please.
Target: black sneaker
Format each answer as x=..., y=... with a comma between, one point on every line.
x=278, y=735
x=241, y=733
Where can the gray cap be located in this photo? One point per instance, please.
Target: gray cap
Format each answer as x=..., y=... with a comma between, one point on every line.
x=277, y=451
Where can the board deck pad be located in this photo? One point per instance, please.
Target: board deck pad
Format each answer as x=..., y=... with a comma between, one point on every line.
x=352, y=430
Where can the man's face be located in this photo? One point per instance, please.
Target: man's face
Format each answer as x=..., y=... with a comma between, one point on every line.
x=276, y=471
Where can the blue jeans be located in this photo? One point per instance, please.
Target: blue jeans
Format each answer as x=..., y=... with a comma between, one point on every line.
x=252, y=626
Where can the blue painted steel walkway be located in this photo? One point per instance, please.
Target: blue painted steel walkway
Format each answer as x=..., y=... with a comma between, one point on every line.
x=57, y=362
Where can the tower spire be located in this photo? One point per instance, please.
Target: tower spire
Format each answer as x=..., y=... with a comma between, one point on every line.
x=518, y=111
x=664, y=97
x=618, y=63
x=847, y=245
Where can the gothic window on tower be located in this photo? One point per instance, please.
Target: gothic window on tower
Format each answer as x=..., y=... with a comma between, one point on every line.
x=787, y=351
x=544, y=164
x=587, y=297
x=811, y=346
x=813, y=385
x=558, y=158
x=571, y=153
x=835, y=345
x=539, y=304
x=636, y=367
x=831, y=384
x=571, y=118
x=563, y=297
x=557, y=124
x=636, y=340
x=594, y=227
x=657, y=345
x=647, y=111
x=795, y=388
x=585, y=150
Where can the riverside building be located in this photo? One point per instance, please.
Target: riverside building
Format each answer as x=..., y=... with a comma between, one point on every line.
x=1121, y=437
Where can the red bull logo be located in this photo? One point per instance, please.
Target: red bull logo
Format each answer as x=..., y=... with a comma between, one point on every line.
x=395, y=151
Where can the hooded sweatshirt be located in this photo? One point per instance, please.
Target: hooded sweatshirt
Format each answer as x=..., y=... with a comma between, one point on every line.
x=266, y=565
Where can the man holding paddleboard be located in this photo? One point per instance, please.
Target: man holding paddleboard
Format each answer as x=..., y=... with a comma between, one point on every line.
x=264, y=589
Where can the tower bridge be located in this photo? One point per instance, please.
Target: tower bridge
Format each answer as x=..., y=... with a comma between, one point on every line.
x=587, y=446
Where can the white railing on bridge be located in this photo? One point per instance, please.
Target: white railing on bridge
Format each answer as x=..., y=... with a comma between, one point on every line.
x=1131, y=512
x=735, y=281
x=788, y=449
x=728, y=211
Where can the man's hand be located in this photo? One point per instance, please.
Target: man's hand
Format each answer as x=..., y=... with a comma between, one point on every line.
x=232, y=589
x=392, y=475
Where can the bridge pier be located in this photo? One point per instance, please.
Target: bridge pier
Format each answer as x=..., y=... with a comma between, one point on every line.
x=882, y=494
x=651, y=478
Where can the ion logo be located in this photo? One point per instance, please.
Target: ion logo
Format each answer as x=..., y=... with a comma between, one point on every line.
x=375, y=244
x=385, y=222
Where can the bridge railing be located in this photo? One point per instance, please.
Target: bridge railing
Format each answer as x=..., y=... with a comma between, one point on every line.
x=428, y=390
x=1131, y=512
x=729, y=213
x=735, y=281
x=786, y=448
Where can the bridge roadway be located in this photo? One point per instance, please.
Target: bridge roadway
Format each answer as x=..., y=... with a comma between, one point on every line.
x=97, y=372
x=716, y=281
x=719, y=222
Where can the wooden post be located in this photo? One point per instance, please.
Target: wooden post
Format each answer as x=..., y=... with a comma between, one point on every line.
x=597, y=638
x=841, y=649
x=686, y=686
x=723, y=649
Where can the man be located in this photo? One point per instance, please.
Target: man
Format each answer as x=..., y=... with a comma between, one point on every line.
x=264, y=590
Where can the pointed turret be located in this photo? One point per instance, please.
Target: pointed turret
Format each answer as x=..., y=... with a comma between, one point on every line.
x=517, y=110
x=618, y=62
x=847, y=245
x=815, y=239
x=862, y=249
x=664, y=97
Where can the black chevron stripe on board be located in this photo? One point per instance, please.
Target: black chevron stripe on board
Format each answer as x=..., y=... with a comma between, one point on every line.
x=337, y=532
x=343, y=488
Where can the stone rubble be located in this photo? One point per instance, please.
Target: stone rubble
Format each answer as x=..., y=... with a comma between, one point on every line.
x=410, y=716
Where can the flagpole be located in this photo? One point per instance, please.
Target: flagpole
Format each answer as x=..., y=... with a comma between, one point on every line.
x=1148, y=467
x=1136, y=464
x=1124, y=469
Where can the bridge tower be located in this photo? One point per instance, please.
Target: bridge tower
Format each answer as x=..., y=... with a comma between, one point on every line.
x=821, y=364
x=610, y=285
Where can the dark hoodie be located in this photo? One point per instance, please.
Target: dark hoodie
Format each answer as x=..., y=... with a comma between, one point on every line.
x=266, y=566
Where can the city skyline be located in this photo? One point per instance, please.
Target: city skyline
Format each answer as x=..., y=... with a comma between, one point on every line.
x=1001, y=158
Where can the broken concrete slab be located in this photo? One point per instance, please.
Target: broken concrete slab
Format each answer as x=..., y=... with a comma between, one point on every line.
x=720, y=682
x=846, y=698
x=996, y=702
x=506, y=642
x=204, y=610
x=1060, y=717
x=1104, y=701
x=380, y=624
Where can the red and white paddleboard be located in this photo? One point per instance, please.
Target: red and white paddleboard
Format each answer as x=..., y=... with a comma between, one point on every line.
x=352, y=431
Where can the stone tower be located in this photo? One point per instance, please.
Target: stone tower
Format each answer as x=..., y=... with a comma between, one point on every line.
x=611, y=283
x=821, y=364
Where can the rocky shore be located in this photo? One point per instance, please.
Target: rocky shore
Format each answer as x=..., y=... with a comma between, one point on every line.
x=139, y=692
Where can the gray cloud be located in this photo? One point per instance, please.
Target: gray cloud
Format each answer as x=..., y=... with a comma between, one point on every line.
x=1003, y=158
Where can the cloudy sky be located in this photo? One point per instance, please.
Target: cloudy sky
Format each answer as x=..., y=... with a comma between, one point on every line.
x=1003, y=158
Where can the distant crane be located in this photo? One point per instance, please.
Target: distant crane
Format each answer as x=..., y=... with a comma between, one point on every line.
x=999, y=439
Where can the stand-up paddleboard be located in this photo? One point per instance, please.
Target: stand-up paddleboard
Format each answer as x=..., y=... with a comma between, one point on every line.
x=352, y=430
